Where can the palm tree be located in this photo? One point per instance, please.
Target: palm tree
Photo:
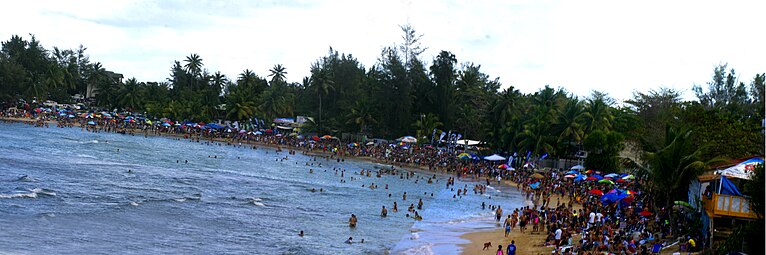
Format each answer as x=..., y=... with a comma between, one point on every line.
x=598, y=115
x=361, y=116
x=239, y=107
x=278, y=73
x=536, y=137
x=426, y=124
x=129, y=96
x=193, y=66
x=568, y=125
x=675, y=165
x=277, y=100
x=322, y=84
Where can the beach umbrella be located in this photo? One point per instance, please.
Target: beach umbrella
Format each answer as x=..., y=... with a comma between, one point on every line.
x=579, y=177
x=316, y=138
x=570, y=176
x=165, y=124
x=607, y=178
x=148, y=122
x=589, y=171
x=503, y=166
x=369, y=143
x=353, y=145
x=258, y=133
x=70, y=116
x=464, y=156
x=645, y=213
x=612, y=175
x=621, y=181
x=598, y=176
x=591, y=179
x=629, y=177
x=299, y=137
x=62, y=114
x=606, y=181
x=572, y=172
x=326, y=136
x=683, y=203
x=596, y=192
x=408, y=139
x=577, y=168
x=534, y=185
x=537, y=176
x=91, y=123
x=279, y=135
x=242, y=131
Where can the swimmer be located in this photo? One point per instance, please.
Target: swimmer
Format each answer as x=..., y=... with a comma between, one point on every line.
x=383, y=212
x=301, y=233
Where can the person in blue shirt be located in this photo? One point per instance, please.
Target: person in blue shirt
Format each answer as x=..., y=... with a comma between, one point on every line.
x=511, y=248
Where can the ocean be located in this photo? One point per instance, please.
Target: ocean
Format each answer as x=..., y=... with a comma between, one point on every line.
x=65, y=191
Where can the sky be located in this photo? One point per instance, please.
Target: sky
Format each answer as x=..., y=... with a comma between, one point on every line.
x=616, y=47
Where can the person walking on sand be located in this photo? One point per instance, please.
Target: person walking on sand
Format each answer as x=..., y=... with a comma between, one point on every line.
x=508, y=225
x=499, y=250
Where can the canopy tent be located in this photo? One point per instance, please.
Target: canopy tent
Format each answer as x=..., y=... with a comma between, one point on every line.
x=494, y=157
x=214, y=126
x=464, y=156
x=577, y=167
x=468, y=142
x=408, y=139
x=743, y=170
x=534, y=185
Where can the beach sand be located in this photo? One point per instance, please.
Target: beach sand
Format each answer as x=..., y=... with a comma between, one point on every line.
x=525, y=243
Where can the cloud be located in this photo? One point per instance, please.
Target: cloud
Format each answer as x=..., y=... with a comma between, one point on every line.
x=615, y=47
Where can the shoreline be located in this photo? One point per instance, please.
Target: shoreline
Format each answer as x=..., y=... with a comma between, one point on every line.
x=526, y=243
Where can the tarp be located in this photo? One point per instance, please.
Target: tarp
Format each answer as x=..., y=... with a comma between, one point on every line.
x=494, y=157
x=214, y=126
x=742, y=170
x=728, y=188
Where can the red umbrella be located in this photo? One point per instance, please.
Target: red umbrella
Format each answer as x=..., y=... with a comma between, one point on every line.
x=596, y=192
x=591, y=179
x=269, y=131
x=621, y=180
x=315, y=138
x=645, y=213
x=608, y=178
x=589, y=172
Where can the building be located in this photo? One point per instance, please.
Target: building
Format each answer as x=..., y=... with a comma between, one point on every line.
x=116, y=78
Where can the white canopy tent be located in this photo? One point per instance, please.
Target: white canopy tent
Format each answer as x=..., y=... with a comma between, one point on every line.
x=494, y=157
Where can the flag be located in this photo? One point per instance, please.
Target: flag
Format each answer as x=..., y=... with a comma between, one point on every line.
x=529, y=153
x=262, y=123
x=544, y=155
x=256, y=123
x=442, y=135
x=459, y=136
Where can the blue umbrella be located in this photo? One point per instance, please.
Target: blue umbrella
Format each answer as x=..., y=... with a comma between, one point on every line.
x=597, y=176
x=70, y=116
x=165, y=124
x=572, y=172
x=534, y=185
x=91, y=123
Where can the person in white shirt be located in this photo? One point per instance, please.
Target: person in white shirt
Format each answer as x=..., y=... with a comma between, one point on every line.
x=591, y=219
x=558, y=236
x=599, y=217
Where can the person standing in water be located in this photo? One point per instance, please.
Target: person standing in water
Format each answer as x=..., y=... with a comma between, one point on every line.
x=383, y=212
x=352, y=221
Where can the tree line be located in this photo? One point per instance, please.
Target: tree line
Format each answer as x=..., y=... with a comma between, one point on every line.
x=401, y=94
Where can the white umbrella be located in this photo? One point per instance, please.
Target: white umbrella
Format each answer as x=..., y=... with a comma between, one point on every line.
x=494, y=157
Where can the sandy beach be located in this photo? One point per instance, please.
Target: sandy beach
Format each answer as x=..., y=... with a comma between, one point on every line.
x=526, y=243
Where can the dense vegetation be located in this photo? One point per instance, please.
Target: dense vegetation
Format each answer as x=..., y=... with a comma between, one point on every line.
x=403, y=95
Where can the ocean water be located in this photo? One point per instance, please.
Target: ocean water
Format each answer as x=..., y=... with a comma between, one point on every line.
x=64, y=191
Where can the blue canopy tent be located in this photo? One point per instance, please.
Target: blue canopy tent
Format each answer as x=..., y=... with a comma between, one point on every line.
x=214, y=126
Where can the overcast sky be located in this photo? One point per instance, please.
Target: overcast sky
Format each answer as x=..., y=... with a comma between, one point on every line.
x=612, y=46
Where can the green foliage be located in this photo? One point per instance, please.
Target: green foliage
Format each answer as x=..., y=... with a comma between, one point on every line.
x=603, y=148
